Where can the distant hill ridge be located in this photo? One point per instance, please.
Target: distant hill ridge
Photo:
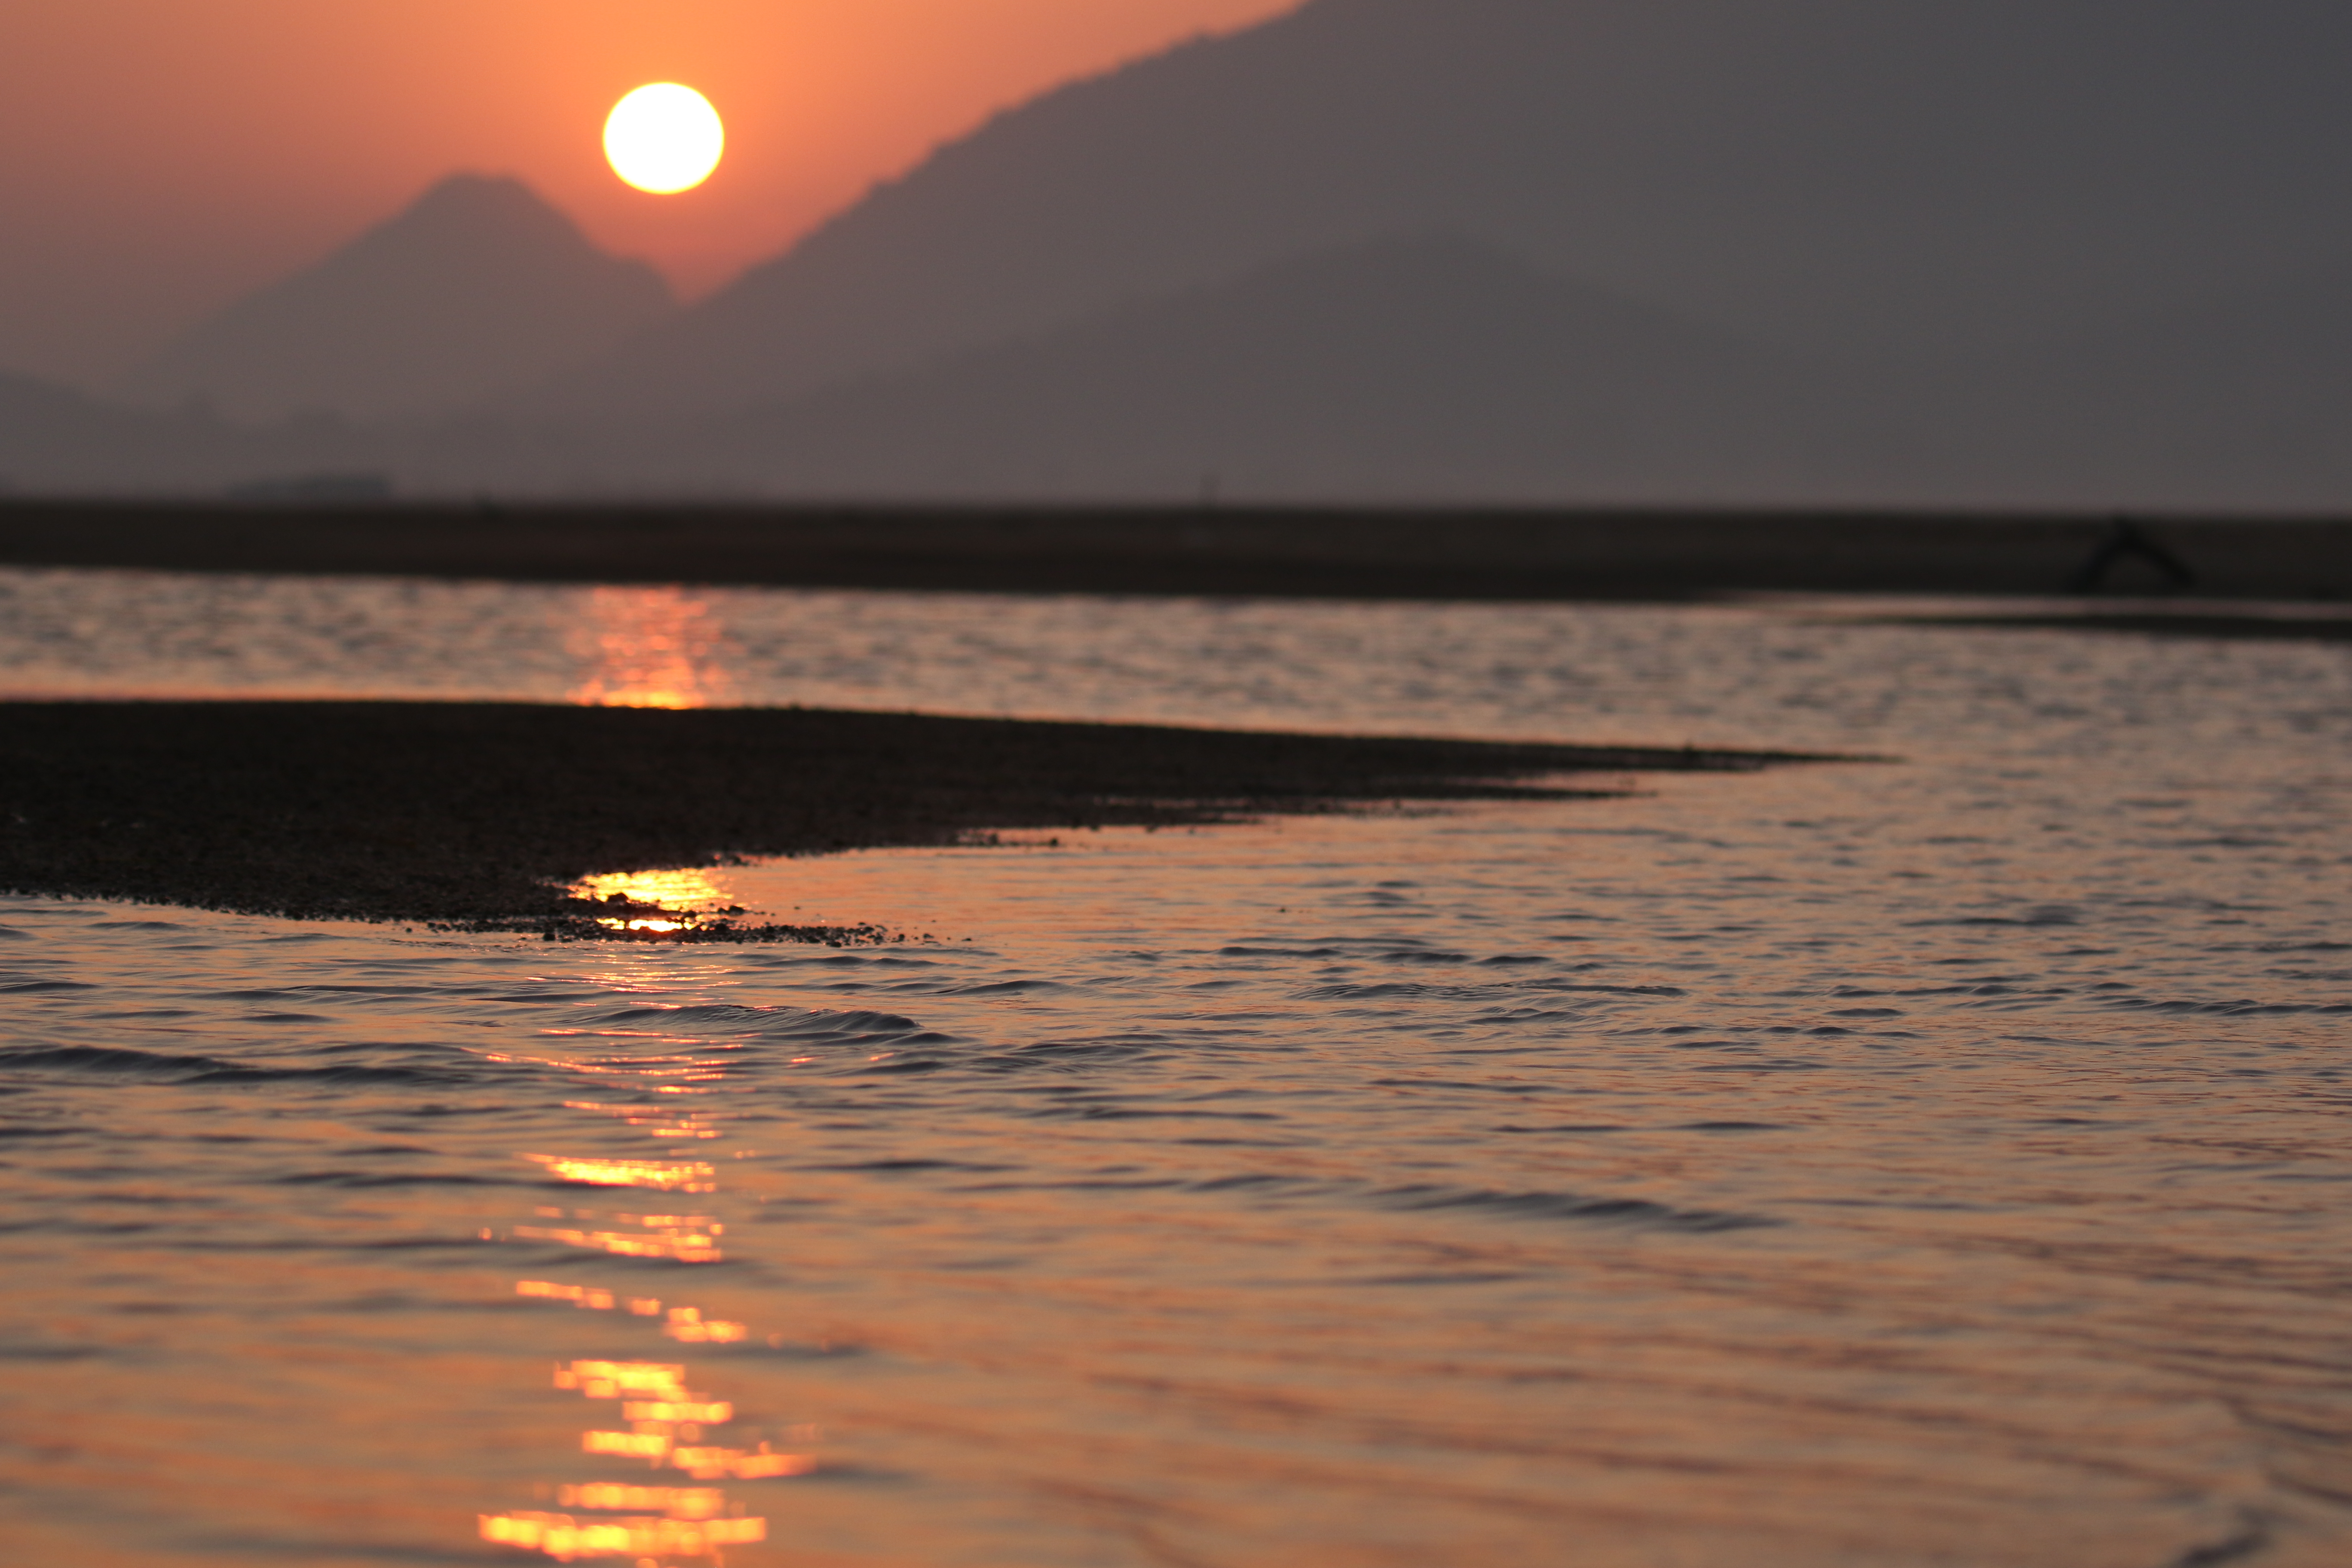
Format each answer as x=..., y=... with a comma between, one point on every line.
x=1950, y=252
x=1935, y=179
x=1422, y=364
x=478, y=286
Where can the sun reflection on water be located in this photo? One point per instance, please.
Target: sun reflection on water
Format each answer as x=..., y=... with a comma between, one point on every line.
x=564, y=1537
x=668, y=1426
x=688, y=1242
x=664, y=1423
x=655, y=901
x=650, y=647
x=666, y=1430
x=690, y=888
x=660, y=1175
x=669, y=1124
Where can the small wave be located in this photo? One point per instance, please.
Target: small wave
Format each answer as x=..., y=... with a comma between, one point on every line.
x=2238, y=1008
x=1374, y=991
x=1085, y=1184
x=158, y=1066
x=1133, y=1113
x=1417, y=1198
x=1255, y=1180
x=1240, y=952
x=363, y=1179
x=17, y=1350
x=1071, y=1054
x=1493, y=990
x=1467, y=1276
x=2053, y=916
x=800, y=1025
x=860, y=1027
x=1420, y=1199
x=1460, y=1083
x=687, y=1016
x=107, y=1062
x=888, y=1167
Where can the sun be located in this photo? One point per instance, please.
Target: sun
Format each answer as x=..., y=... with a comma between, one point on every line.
x=664, y=138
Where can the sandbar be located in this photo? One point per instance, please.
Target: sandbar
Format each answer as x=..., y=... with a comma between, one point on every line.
x=477, y=815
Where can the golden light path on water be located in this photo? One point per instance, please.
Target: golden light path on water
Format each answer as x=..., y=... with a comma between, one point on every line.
x=667, y=1424
x=652, y=647
x=649, y=647
x=681, y=892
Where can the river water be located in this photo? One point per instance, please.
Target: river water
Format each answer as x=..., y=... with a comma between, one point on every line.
x=1939, y=1160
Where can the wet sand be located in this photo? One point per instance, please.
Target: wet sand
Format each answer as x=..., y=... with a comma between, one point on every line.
x=477, y=815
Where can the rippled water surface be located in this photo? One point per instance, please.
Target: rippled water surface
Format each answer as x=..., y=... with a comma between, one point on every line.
x=1938, y=1160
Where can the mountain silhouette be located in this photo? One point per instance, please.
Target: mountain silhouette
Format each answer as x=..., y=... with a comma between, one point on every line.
x=478, y=287
x=1420, y=364
x=2081, y=252
x=56, y=440
x=1941, y=178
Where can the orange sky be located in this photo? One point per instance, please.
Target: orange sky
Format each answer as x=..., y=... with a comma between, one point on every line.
x=164, y=156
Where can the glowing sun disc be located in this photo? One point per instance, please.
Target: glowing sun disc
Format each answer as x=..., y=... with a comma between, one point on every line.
x=664, y=138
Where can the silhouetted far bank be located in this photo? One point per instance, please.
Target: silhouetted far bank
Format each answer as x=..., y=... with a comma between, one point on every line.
x=1388, y=553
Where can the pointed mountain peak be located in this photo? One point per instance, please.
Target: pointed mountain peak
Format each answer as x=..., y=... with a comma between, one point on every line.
x=469, y=201
x=478, y=286
x=472, y=189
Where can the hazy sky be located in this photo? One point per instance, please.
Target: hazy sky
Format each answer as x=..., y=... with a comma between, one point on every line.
x=164, y=156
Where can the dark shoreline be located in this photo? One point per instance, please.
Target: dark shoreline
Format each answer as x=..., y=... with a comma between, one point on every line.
x=1428, y=552
x=474, y=817
x=2202, y=623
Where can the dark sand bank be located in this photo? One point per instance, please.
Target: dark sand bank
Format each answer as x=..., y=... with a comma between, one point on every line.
x=1493, y=554
x=476, y=815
